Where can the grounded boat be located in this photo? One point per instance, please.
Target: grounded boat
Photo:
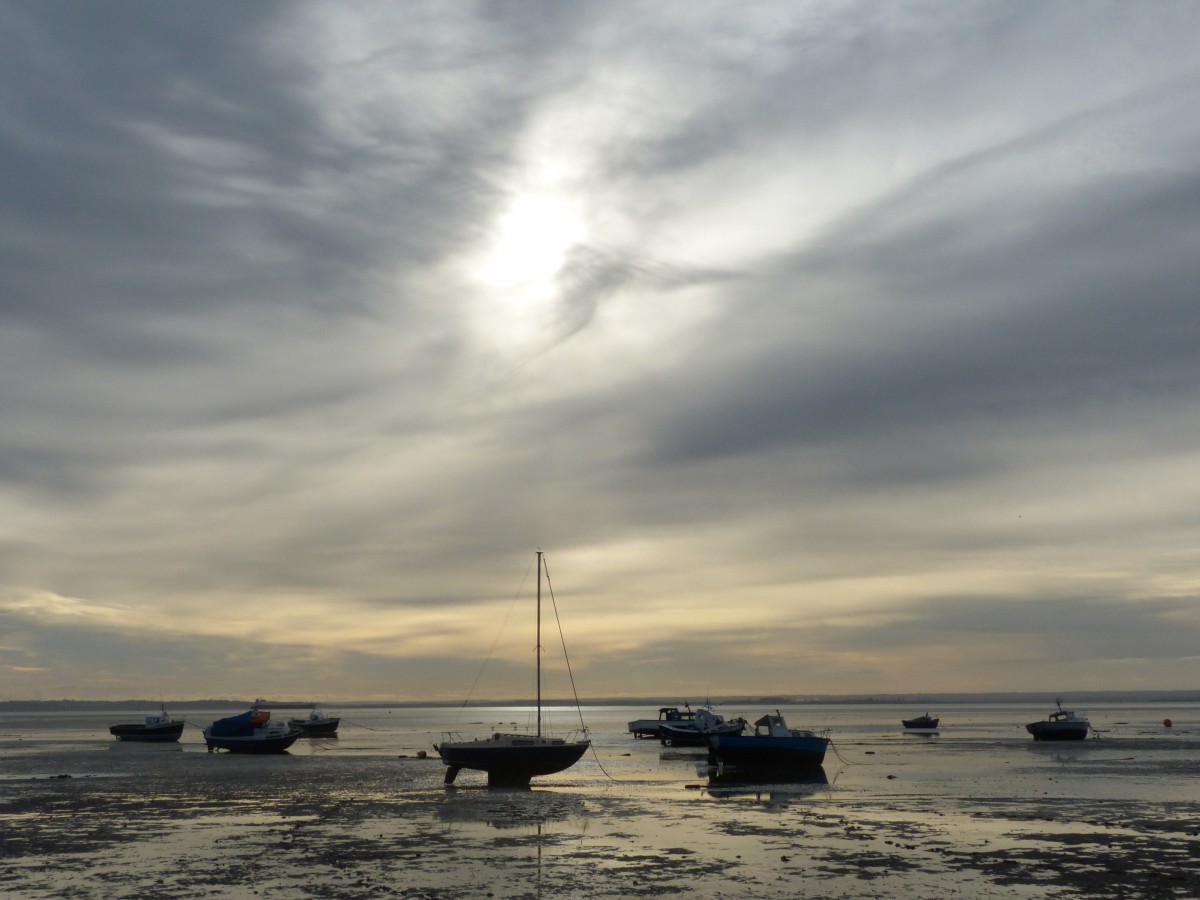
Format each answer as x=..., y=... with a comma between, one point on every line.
x=921, y=723
x=250, y=732
x=696, y=732
x=157, y=728
x=667, y=715
x=511, y=760
x=1060, y=725
x=316, y=725
x=773, y=746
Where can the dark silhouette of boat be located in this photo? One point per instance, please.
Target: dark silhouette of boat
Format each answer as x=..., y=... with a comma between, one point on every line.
x=156, y=728
x=695, y=732
x=316, y=725
x=1060, y=725
x=511, y=760
x=921, y=723
x=773, y=747
x=250, y=732
x=667, y=715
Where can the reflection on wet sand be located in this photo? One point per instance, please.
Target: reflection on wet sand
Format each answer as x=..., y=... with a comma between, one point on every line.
x=776, y=787
x=975, y=813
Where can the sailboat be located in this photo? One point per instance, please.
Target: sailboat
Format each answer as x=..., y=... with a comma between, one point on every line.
x=510, y=760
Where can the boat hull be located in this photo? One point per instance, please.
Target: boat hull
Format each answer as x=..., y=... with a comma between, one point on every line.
x=250, y=743
x=924, y=723
x=510, y=764
x=148, y=734
x=316, y=729
x=779, y=754
x=1053, y=731
x=689, y=736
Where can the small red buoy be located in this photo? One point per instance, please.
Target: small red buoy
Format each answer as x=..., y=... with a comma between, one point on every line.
x=1166, y=723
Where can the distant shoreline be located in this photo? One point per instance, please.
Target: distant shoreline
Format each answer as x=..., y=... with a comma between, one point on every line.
x=1077, y=698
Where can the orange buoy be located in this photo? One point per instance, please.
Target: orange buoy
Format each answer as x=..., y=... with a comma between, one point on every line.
x=1166, y=723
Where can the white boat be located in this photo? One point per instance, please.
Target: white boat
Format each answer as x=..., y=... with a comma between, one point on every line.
x=512, y=759
x=667, y=715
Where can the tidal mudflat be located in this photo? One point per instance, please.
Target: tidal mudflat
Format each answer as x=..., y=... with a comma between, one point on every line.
x=981, y=814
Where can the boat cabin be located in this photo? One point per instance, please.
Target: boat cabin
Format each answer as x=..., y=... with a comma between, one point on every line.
x=771, y=725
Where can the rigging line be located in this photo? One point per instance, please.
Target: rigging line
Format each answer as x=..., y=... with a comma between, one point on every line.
x=570, y=673
x=499, y=632
x=833, y=746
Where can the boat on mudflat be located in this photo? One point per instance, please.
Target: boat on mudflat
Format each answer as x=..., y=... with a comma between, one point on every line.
x=156, y=728
x=667, y=715
x=921, y=723
x=696, y=732
x=1060, y=725
x=772, y=746
x=250, y=732
x=510, y=760
x=316, y=725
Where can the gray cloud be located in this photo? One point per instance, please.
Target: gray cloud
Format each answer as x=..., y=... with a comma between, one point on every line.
x=879, y=313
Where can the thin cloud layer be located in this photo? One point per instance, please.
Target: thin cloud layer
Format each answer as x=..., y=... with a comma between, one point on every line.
x=826, y=348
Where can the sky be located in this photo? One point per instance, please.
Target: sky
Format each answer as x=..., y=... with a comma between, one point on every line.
x=824, y=347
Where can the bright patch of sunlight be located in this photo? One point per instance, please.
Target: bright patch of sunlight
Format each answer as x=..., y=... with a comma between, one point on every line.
x=532, y=240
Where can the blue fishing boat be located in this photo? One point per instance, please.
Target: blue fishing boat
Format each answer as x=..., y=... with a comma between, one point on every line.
x=250, y=732
x=772, y=746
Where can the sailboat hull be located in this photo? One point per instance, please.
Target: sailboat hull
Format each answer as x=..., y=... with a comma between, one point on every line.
x=511, y=759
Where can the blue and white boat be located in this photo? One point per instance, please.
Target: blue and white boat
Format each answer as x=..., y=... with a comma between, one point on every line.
x=772, y=746
x=695, y=733
x=250, y=732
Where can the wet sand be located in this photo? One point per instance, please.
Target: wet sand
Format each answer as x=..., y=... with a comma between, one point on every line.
x=899, y=817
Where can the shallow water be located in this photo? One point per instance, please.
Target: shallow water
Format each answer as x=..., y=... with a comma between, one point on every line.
x=979, y=809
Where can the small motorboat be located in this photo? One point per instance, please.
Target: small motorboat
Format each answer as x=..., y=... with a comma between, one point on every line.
x=316, y=725
x=250, y=732
x=773, y=746
x=1060, y=725
x=667, y=715
x=157, y=728
x=695, y=733
x=921, y=723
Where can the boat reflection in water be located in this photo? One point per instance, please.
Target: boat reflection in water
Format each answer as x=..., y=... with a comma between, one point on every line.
x=770, y=785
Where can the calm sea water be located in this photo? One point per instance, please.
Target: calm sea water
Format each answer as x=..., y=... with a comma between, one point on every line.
x=81, y=738
x=362, y=816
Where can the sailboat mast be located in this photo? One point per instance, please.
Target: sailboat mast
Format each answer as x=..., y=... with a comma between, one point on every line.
x=539, y=645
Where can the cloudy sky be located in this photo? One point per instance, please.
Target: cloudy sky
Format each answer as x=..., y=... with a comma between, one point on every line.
x=825, y=347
